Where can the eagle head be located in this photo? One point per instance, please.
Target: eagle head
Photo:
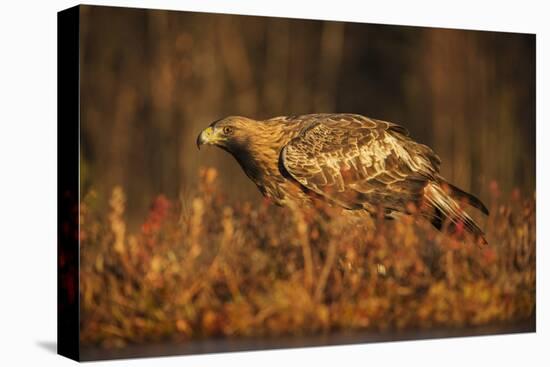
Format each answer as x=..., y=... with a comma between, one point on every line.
x=232, y=133
x=254, y=144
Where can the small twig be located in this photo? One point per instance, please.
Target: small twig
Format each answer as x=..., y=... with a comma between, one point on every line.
x=331, y=256
x=303, y=237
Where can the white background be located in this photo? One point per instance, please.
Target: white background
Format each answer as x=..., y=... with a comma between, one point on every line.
x=28, y=183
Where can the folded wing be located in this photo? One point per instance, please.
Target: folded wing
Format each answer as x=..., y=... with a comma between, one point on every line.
x=360, y=163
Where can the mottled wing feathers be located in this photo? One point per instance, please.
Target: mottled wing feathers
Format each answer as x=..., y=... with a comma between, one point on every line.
x=359, y=162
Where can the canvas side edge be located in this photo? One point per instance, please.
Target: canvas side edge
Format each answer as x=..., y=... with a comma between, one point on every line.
x=68, y=22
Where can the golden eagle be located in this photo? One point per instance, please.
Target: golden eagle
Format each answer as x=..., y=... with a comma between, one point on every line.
x=353, y=161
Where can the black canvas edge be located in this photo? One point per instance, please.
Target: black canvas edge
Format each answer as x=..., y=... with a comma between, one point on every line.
x=68, y=141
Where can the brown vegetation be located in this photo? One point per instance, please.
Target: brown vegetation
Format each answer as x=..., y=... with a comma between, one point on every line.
x=203, y=268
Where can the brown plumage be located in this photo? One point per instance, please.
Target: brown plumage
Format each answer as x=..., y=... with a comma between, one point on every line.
x=355, y=162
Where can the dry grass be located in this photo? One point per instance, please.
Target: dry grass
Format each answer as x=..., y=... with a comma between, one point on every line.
x=201, y=268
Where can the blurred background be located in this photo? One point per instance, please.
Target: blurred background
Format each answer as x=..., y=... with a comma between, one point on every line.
x=152, y=80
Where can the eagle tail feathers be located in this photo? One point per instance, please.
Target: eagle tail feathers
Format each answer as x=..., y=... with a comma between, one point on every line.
x=444, y=209
x=460, y=194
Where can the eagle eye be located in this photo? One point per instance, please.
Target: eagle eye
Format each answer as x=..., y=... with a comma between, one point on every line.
x=227, y=130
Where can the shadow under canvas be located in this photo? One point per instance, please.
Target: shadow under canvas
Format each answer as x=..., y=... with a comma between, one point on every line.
x=48, y=345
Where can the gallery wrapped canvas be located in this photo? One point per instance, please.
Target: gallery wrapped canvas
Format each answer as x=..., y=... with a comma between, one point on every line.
x=233, y=182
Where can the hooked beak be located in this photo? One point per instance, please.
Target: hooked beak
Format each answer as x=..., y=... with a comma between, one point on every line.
x=207, y=136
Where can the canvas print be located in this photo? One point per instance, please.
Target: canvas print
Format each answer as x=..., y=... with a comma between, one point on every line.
x=235, y=182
